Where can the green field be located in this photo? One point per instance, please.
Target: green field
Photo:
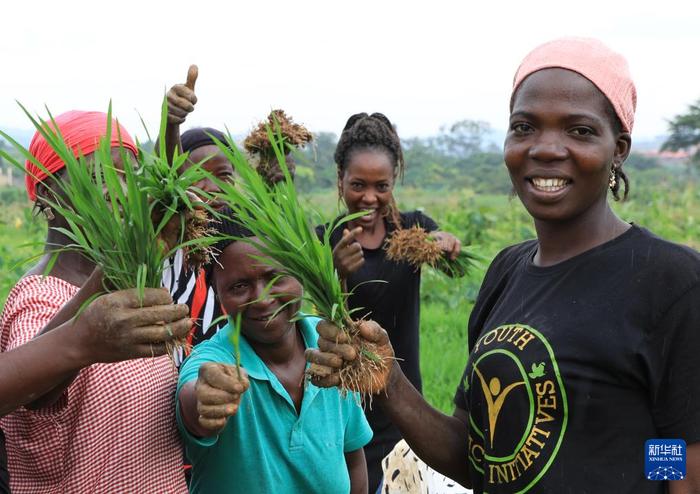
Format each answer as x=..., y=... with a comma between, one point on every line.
x=670, y=208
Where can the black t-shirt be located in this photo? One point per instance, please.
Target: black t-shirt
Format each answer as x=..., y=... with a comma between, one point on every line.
x=395, y=305
x=4, y=476
x=573, y=367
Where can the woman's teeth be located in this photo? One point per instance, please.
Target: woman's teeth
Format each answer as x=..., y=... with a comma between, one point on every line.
x=370, y=213
x=549, y=184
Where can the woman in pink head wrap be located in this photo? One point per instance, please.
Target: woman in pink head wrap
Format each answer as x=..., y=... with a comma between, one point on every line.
x=584, y=341
x=96, y=387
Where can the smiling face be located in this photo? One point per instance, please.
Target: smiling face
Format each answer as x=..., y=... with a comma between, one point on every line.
x=367, y=184
x=561, y=145
x=240, y=281
x=214, y=162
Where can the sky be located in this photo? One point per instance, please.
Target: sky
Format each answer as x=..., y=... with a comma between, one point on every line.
x=424, y=64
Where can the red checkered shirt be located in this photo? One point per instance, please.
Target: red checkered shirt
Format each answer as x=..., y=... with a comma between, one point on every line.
x=114, y=428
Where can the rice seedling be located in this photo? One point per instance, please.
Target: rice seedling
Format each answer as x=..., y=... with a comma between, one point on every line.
x=127, y=220
x=236, y=342
x=261, y=153
x=415, y=246
x=287, y=240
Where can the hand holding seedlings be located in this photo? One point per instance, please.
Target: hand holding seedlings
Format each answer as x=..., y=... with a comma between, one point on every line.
x=448, y=243
x=117, y=326
x=335, y=349
x=347, y=254
x=181, y=98
x=218, y=391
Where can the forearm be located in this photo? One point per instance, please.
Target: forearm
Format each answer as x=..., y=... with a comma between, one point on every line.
x=439, y=440
x=691, y=483
x=172, y=140
x=65, y=317
x=189, y=413
x=35, y=368
x=357, y=469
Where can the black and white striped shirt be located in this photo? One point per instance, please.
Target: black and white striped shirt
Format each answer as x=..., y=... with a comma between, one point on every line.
x=203, y=303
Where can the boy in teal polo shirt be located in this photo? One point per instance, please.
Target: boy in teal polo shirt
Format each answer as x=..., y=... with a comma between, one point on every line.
x=266, y=431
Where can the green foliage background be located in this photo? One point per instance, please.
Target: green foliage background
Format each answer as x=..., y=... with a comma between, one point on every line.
x=458, y=179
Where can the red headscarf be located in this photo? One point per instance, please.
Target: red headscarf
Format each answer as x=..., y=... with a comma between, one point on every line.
x=82, y=131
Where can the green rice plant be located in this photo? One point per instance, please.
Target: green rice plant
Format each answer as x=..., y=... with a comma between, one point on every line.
x=288, y=241
x=417, y=247
x=236, y=341
x=117, y=218
x=285, y=237
x=465, y=263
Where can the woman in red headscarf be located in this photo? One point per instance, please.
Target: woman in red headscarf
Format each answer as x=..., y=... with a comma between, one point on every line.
x=100, y=417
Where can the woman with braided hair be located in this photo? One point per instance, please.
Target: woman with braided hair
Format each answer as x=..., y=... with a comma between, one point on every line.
x=369, y=161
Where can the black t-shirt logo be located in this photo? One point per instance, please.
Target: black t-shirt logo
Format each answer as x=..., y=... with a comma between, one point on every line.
x=517, y=407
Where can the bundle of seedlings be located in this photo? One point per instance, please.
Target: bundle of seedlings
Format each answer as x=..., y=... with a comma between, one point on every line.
x=287, y=240
x=417, y=247
x=175, y=201
x=110, y=211
x=261, y=152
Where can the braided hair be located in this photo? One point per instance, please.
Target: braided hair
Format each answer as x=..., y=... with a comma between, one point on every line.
x=364, y=132
x=617, y=171
x=375, y=132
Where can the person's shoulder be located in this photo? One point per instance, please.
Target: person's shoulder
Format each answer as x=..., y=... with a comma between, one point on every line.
x=36, y=297
x=512, y=255
x=307, y=326
x=675, y=252
x=335, y=235
x=660, y=257
x=217, y=343
x=417, y=218
x=43, y=286
x=215, y=349
x=504, y=264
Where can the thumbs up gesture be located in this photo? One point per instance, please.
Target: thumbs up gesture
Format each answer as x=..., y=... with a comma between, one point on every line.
x=181, y=98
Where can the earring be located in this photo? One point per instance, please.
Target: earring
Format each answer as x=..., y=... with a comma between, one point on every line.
x=48, y=214
x=341, y=200
x=613, y=177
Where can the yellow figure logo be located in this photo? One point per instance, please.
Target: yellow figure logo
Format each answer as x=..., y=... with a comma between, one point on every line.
x=495, y=397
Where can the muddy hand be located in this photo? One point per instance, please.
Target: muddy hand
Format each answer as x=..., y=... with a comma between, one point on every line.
x=334, y=350
x=117, y=326
x=448, y=243
x=218, y=391
x=181, y=98
x=347, y=254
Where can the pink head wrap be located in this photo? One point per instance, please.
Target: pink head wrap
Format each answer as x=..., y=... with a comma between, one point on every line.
x=596, y=62
x=82, y=132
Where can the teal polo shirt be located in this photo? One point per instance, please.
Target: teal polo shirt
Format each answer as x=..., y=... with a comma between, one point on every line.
x=267, y=447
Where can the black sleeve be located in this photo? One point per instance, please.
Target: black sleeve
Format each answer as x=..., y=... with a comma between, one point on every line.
x=320, y=231
x=335, y=235
x=674, y=346
x=424, y=221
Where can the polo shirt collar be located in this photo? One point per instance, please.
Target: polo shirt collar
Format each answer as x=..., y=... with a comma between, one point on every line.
x=254, y=366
